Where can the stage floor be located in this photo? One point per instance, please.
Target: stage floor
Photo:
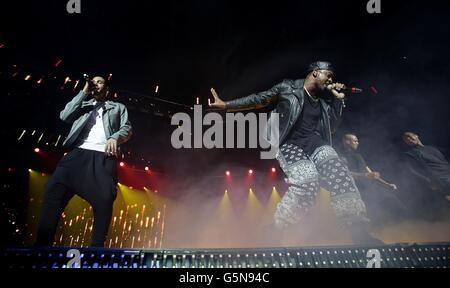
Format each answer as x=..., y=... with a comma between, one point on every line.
x=402, y=255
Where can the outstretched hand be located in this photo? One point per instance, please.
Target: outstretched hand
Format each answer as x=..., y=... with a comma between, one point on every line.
x=393, y=187
x=218, y=103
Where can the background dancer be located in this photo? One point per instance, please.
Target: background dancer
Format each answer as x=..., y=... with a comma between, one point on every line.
x=378, y=194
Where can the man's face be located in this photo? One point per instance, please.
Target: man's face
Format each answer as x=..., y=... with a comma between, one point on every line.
x=323, y=78
x=351, y=141
x=411, y=139
x=99, y=87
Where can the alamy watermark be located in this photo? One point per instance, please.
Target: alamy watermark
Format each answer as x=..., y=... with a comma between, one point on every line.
x=75, y=258
x=74, y=6
x=373, y=6
x=374, y=260
x=262, y=131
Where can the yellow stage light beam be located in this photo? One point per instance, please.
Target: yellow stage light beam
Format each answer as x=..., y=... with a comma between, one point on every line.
x=225, y=208
x=253, y=208
x=273, y=200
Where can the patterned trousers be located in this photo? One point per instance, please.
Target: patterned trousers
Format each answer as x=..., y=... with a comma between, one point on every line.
x=305, y=174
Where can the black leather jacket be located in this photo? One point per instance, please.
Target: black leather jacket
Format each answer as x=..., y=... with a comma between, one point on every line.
x=288, y=96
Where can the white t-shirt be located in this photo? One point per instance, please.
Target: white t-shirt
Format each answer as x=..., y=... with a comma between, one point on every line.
x=96, y=137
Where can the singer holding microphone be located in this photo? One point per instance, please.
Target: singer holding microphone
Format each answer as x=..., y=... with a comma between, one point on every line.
x=305, y=153
x=89, y=170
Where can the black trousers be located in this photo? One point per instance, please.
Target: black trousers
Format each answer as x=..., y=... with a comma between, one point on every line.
x=92, y=175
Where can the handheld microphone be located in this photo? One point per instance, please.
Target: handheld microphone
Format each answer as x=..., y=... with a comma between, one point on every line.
x=353, y=90
x=91, y=85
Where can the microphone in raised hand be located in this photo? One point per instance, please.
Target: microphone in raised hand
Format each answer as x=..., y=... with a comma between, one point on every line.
x=336, y=89
x=89, y=86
